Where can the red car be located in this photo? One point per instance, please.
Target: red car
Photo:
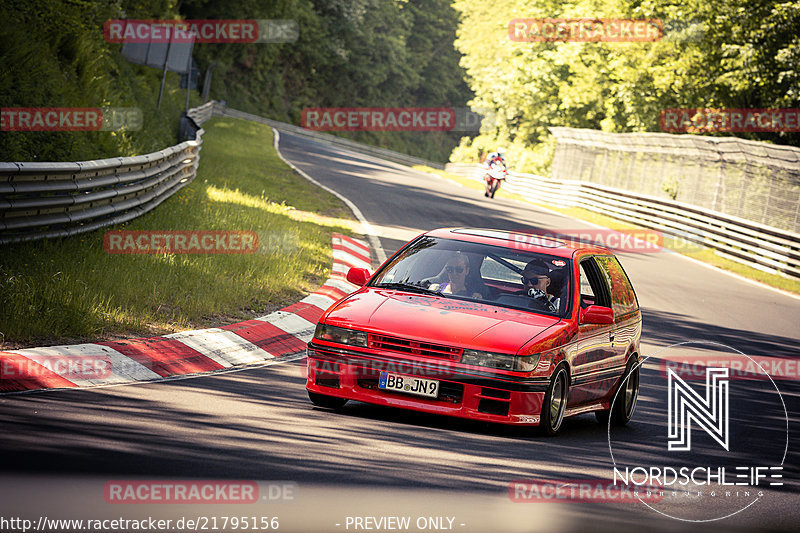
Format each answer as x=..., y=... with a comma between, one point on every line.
x=488, y=325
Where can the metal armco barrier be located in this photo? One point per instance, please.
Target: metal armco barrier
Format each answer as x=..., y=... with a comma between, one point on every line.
x=47, y=200
x=202, y=113
x=752, y=180
x=751, y=243
x=397, y=157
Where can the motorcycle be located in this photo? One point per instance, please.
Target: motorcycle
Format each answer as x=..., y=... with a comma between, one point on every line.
x=495, y=174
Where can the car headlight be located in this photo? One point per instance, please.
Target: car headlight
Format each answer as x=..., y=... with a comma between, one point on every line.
x=501, y=361
x=340, y=335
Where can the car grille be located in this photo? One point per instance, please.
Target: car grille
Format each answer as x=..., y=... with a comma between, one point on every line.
x=397, y=344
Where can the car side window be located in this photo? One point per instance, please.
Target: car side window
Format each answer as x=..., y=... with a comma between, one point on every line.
x=623, y=299
x=587, y=294
x=594, y=289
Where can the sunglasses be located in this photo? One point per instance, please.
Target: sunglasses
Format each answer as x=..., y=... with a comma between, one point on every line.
x=451, y=269
x=533, y=279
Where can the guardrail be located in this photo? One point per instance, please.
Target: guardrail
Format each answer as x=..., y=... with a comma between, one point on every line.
x=47, y=200
x=397, y=157
x=202, y=113
x=757, y=245
x=752, y=180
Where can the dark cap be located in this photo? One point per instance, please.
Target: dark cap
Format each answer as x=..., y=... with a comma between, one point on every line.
x=538, y=267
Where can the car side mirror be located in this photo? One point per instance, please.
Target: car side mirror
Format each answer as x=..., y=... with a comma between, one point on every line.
x=596, y=314
x=358, y=276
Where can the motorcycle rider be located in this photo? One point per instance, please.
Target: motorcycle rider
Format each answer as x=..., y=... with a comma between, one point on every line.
x=496, y=157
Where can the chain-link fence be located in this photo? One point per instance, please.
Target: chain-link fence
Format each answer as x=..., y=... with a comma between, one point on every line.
x=752, y=180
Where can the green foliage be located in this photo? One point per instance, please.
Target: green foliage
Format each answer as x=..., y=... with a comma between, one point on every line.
x=54, y=55
x=63, y=290
x=733, y=54
x=350, y=53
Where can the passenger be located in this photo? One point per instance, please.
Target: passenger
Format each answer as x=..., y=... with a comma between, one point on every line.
x=458, y=278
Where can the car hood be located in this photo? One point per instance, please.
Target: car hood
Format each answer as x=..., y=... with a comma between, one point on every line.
x=428, y=318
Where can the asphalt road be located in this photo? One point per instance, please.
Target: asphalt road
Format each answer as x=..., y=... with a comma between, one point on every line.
x=59, y=449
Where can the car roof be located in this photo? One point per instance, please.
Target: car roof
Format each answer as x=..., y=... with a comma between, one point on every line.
x=529, y=241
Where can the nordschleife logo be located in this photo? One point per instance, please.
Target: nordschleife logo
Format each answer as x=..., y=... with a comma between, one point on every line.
x=709, y=412
x=708, y=444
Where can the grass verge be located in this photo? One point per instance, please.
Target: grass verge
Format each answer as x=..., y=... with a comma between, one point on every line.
x=700, y=253
x=71, y=290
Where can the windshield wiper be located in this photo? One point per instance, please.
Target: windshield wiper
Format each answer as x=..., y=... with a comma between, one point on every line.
x=409, y=287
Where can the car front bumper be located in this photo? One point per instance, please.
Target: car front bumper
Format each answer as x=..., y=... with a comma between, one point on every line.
x=484, y=396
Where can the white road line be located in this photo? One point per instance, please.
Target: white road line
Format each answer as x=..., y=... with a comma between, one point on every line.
x=368, y=230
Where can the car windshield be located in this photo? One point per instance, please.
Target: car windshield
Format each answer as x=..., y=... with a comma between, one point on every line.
x=503, y=276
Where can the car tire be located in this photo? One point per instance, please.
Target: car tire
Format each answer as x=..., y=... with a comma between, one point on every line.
x=328, y=402
x=625, y=403
x=555, y=403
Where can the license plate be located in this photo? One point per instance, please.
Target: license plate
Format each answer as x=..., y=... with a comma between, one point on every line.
x=408, y=384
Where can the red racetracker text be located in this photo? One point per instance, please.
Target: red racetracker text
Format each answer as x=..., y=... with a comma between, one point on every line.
x=180, y=242
x=706, y=120
x=180, y=31
x=585, y=30
x=756, y=367
x=168, y=492
x=66, y=366
x=51, y=119
x=624, y=240
x=378, y=118
x=581, y=490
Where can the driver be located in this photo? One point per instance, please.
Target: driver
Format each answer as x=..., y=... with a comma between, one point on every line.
x=536, y=279
x=458, y=280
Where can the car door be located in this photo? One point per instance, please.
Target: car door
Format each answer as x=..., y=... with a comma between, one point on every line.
x=593, y=372
x=627, y=316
